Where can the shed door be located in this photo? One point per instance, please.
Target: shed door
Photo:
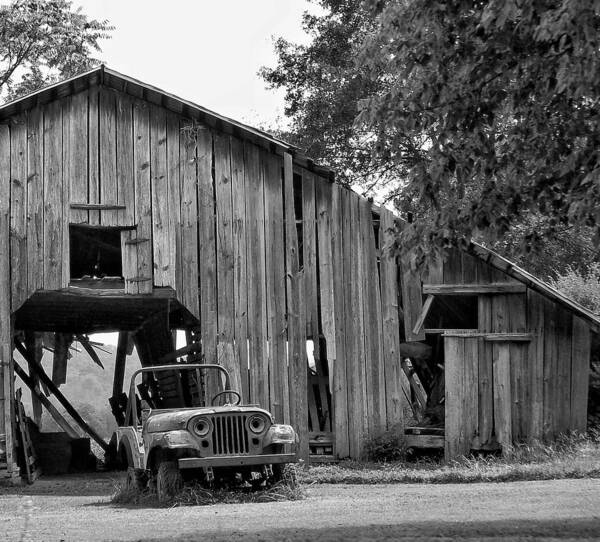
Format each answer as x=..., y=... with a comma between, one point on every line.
x=486, y=392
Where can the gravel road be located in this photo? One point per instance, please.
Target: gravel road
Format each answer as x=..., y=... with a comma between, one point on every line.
x=78, y=509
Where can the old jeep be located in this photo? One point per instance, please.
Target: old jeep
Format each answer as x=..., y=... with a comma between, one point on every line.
x=226, y=443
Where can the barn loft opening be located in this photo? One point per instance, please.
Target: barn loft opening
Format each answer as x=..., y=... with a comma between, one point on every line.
x=452, y=312
x=95, y=252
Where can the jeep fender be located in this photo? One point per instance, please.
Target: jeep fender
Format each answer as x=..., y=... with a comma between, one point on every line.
x=172, y=440
x=128, y=448
x=165, y=445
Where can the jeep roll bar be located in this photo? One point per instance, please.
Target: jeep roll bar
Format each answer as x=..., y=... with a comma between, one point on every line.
x=131, y=413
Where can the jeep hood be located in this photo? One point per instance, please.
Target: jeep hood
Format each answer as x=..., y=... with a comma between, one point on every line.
x=177, y=418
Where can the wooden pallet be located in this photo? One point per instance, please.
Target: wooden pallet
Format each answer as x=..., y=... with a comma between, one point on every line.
x=322, y=447
x=9, y=471
x=424, y=437
x=11, y=475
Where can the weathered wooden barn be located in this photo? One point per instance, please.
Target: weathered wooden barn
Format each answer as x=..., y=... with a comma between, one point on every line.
x=124, y=208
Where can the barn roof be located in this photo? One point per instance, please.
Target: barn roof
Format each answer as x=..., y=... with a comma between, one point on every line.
x=103, y=75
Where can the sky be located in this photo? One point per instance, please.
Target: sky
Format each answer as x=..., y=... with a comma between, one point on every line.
x=205, y=51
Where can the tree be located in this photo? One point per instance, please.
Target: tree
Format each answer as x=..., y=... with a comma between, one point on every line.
x=487, y=111
x=323, y=87
x=42, y=41
x=569, y=248
x=500, y=104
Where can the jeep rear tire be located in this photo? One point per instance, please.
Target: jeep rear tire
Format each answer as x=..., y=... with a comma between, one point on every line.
x=168, y=481
x=136, y=479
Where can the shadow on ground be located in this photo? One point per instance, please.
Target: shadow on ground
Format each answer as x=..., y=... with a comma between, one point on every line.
x=71, y=485
x=568, y=529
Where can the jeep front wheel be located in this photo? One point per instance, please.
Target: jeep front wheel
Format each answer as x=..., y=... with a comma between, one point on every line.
x=168, y=480
x=136, y=479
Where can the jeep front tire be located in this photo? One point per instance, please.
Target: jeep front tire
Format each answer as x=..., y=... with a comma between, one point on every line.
x=168, y=481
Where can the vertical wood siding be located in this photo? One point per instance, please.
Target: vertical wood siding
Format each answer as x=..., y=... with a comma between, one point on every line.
x=264, y=260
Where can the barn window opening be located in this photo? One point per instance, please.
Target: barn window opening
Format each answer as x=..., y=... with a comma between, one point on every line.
x=95, y=252
x=452, y=312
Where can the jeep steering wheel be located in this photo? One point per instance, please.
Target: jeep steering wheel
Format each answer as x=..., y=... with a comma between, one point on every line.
x=233, y=392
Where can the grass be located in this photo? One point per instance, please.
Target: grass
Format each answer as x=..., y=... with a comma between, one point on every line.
x=575, y=456
x=197, y=495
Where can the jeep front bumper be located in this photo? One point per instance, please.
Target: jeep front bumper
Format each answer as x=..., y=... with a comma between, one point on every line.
x=235, y=460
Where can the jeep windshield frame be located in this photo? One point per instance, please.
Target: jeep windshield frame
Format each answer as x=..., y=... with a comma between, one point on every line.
x=131, y=413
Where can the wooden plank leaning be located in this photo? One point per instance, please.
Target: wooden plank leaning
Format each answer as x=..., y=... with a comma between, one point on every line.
x=60, y=397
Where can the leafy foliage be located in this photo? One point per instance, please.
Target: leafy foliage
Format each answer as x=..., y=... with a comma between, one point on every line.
x=324, y=86
x=547, y=255
x=486, y=111
x=499, y=101
x=388, y=446
x=583, y=287
x=42, y=41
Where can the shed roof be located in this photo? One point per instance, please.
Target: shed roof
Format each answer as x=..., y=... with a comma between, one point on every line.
x=513, y=270
x=103, y=75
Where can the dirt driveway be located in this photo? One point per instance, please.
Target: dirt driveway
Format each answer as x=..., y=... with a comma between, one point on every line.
x=78, y=509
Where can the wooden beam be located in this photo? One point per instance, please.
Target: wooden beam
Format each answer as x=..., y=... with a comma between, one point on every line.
x=98, y=206
x=424, y=312
x=35, y=390
x=61, y=398
x=510, y=337
x=490, y=337
x=447, y=332
x=412, y=300
x=33, y=343
x=424, y=441
x=415, y=384
x=193, y=348
x=466, y=289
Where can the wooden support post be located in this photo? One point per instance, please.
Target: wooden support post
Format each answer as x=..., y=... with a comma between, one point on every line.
x=502, y=395
x=6, y=382
x=121, y=358
x=61, y=351
x=295, y=325
x=62, y=399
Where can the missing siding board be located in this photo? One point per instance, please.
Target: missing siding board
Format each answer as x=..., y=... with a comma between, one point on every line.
x=95, y=252
x=452, y=312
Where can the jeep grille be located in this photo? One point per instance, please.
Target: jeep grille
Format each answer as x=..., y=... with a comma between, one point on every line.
x=230, y=436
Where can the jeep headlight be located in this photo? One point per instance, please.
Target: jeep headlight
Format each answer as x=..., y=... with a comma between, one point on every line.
x=202, y=427
x=257, y=424
x=280, y=434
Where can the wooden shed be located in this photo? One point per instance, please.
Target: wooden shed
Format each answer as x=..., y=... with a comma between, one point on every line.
x=124, y=208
